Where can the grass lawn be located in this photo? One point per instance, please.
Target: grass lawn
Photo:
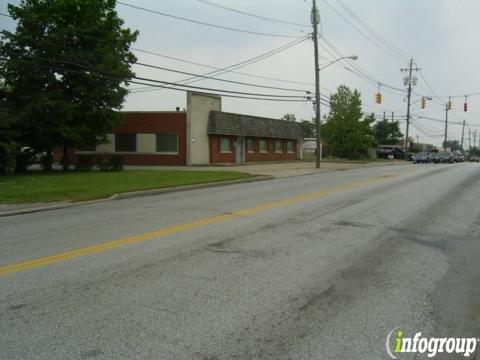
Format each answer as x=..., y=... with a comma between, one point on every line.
x=80, y=186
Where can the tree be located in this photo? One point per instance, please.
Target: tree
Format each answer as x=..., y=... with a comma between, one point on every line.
x=387, y=132
x=308, y=127
x=454, y=145
x=345, y=131
x=66, y=66
x=289, y=117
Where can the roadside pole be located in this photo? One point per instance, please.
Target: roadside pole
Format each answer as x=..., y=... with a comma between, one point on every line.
x=446, y=126
x=315, y=20
x=463, y=133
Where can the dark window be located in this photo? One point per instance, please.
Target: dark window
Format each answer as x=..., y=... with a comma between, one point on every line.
x=250, y=146
x=167, y=143
x=278, y=146
x=225, y=145
x=290, y=147
x=262, y=146
x=126, y=142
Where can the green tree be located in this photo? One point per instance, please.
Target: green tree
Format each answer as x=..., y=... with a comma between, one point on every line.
x=344, y=130
x=66, y=67
x=387, y=132
x=309, y=128
x=454, y=145
x=289, y=117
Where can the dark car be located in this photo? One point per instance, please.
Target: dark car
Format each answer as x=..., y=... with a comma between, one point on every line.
x=443, y=157
x=421, y=158
x=475, y=158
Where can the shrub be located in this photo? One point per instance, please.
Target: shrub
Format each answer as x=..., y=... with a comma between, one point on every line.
x=84, y=163
x=7, y=158
x=102, y=165
x=115, y=163
x=24, y=158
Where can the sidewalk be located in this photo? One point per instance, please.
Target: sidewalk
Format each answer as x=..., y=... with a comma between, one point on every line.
x=277, y=170
x=268, y=170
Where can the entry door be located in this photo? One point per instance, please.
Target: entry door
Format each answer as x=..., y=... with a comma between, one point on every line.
x=240, y=150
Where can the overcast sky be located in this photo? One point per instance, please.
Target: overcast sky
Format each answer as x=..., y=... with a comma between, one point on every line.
x=441, y=36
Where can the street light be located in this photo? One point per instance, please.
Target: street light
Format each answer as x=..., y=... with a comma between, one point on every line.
x=317, y=102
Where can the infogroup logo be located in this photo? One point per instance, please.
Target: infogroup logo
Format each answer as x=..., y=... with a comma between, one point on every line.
x=397, y=343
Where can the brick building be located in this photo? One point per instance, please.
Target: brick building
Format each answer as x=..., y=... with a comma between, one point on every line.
x=201, y=135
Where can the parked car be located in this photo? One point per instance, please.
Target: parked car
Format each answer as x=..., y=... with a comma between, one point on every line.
x=458, y=157
x=474, y=158
x=443, y=157
x=422, y=158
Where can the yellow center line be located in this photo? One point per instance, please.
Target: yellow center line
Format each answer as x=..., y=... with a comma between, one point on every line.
x=46, y=260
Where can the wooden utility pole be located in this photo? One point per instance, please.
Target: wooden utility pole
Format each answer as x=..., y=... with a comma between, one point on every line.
x=315, y=20
x=410, y=81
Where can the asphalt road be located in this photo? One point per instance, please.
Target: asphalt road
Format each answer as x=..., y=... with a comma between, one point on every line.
x=311, y=267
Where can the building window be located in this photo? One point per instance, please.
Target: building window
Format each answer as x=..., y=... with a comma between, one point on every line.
x=262, y=146
x=225, y=145
x=278, y=146
x=167, y=143
x=290, y=146
x=126, y=142
x=250, y=146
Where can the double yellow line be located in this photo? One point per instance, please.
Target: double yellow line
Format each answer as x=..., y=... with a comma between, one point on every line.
x=171, y=230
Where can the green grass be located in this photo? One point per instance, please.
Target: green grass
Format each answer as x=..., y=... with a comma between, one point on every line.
x=81, y=186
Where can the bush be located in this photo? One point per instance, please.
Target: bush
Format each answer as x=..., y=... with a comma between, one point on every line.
x=7, y=159
x=25, y=157
x=84, y=163
x=102, y=164
x=115, y=163
x=46, y=161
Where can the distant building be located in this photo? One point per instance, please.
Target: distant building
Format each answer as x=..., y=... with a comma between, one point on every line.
x=203, y=134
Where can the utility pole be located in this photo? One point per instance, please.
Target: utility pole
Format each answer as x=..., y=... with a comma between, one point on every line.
x=393, y=117
x=447, y=107
x=315, y=18
x=469, y=141
x=384, y=116
x=463, y=133
x=409, y=80
x=474, y=140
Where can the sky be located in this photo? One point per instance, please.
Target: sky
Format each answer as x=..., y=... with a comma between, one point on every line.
x=440, y=35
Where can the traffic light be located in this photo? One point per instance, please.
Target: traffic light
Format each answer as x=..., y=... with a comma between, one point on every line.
x=378, y=98
x=465, y=107
x=424, y=102
x=449, y=106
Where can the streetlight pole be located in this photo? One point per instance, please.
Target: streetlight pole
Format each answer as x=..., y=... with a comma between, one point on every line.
x=315, y=20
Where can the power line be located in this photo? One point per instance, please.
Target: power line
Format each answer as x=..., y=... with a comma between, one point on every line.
x=251, y=15
x=357, y=70
x=369, y=38
x=142, y=80
x=376, y=34
x=205, y=23
x=222, y=80
x=247, y=62
x=217, y=68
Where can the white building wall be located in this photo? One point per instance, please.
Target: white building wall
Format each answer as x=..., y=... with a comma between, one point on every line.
x=198, y=110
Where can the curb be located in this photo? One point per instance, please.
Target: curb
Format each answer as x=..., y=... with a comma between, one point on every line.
x=140, y=193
